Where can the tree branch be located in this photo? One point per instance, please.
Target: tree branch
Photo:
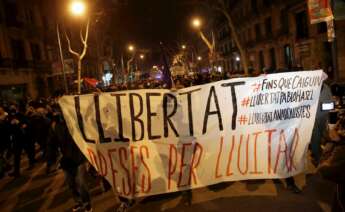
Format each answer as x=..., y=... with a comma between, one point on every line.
x=69, y=45
x=81, y=35
x=203, y=37
x=86, y=39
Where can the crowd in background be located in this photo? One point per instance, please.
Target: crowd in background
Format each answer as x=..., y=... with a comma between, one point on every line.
x=38, y=128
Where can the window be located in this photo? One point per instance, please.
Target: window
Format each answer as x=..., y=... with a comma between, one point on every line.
x=322, y=27
x=11, y=14
x=30, y=16
x=273, y=59
x=254, y=6
x=268, y=26
x=267, y=3
x=284, y=21
x=258, y=32
x=302, y=25
x=261, y=60
x=249, y=35
x=36, y=51
x=18, y=52
x=288, y=56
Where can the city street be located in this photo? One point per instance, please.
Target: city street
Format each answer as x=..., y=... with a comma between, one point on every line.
x=219, y=97
x=35, y=191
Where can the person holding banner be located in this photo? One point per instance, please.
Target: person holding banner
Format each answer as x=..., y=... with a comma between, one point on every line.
x=73, y=163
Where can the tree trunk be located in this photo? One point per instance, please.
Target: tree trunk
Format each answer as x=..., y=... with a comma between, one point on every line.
x=237, y=42
x=79, y=76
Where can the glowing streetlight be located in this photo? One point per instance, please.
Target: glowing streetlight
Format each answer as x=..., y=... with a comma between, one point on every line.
x=199, y=58
x=196, y=23
x=142, y=56
x=183, y=47
x=131, y=48
x=238, y=58
x=77, y=8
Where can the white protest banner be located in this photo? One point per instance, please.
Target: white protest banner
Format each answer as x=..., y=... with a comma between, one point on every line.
x=148, y=142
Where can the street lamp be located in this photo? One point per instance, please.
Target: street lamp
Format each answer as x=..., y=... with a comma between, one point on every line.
x=183, y=47
x=131, y=48
x=142, y=56
x=199, y=58
x=77, y=8
x=196, y=23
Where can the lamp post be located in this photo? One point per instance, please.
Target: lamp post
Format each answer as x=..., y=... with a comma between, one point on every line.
x=197, y=23
x=78, y=8
x=131, y=49
x=62, y=58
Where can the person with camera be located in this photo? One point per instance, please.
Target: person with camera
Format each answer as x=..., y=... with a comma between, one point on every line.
x=333, y=162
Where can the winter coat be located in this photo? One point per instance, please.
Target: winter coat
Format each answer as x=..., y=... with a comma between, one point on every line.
x=333, y=162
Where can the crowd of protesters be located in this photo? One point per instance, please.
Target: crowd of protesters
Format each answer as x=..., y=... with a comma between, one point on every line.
x=38, y=128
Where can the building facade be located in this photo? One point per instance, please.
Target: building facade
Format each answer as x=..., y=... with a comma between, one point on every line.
x=24, y=62
x=277, y=35
x=30, y=63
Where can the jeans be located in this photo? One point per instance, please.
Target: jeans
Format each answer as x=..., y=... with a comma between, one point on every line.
x=76, y=180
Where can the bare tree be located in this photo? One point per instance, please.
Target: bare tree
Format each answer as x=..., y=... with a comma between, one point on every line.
x=220, y=6
x=79, y=56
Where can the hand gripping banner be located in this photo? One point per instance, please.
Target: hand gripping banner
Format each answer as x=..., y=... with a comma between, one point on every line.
x=148, y=142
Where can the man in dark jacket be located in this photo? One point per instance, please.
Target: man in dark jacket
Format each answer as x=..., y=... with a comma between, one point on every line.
x=18, y=130
x=40, y=126
x=333, y=164
x=72, y=162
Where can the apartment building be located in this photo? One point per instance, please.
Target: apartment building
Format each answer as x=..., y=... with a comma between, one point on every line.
x=277, y=34
x=24, y=62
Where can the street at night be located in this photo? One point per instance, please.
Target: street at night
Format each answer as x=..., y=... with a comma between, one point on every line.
x=172, y=105
x=35, y=191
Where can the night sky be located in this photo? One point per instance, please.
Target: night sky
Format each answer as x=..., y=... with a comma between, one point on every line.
x=147, y=22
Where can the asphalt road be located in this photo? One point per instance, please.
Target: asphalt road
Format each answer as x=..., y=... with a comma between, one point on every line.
x=36, y=191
